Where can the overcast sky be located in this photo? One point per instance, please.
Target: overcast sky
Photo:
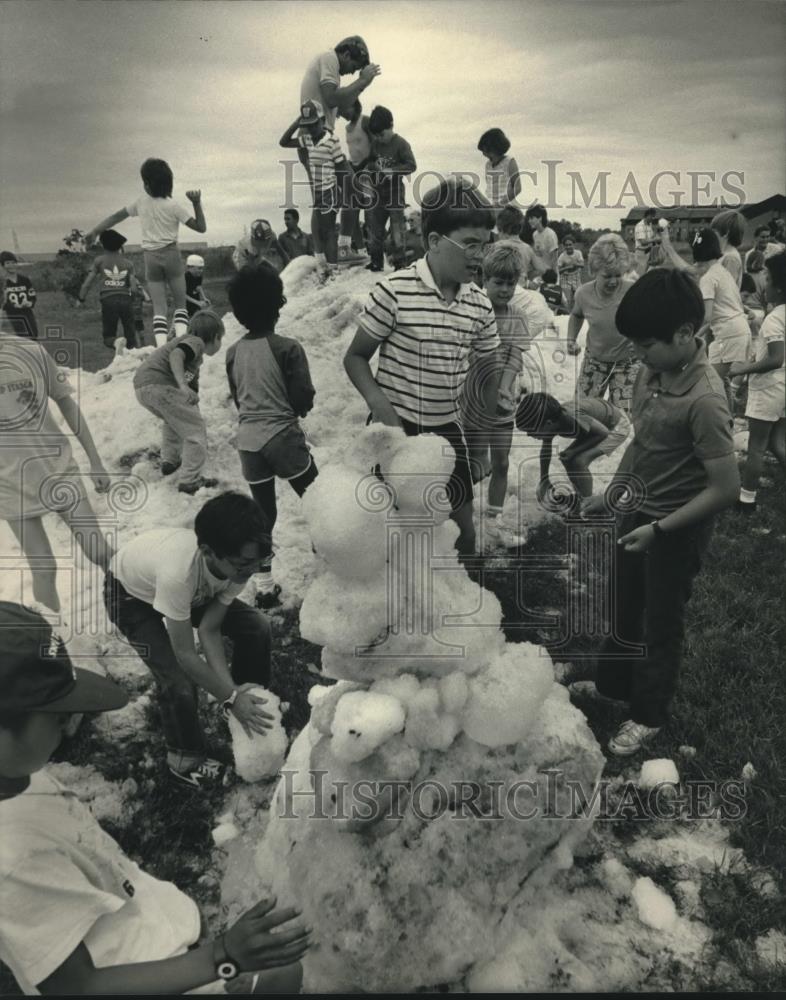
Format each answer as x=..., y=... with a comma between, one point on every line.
x=89, y=89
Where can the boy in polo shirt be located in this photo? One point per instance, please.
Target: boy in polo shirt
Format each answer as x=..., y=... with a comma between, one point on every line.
x=681, y=470
x=79, y=917
x=185, y=579
x=425, y=320
x=167, y=384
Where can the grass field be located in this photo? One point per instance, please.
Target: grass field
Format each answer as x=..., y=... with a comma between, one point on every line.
x=83, y=325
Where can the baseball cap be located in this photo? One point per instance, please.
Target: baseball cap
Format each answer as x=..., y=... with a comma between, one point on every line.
x=36, y=672
x=311, y=112
x=194, y=260
x=111, y=239
x=261, y=227
x=6, y=257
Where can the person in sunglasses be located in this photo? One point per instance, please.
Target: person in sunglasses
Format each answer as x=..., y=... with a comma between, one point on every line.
x=168, y=581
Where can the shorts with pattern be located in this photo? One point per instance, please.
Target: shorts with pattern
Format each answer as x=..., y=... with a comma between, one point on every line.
x=285, y=456
x=326, y=200
x=612, y=378
x=164, y=264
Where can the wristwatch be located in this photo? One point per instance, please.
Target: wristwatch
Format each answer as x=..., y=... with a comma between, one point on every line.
x=655, y=525
x=226, y=706
x=226, y=968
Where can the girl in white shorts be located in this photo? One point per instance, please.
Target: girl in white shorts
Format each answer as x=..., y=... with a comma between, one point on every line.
x=160, y=217
x=766, y=409
x=724, y=312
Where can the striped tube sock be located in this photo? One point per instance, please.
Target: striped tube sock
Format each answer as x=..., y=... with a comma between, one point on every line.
x=180, y=322
x=160, y=327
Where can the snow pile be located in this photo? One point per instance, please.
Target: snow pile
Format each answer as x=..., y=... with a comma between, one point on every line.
x=433, y=779
x=111, y=801
x=259, y=756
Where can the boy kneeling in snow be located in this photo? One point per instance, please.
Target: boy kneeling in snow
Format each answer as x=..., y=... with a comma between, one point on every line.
x=78, y=916
x=167, y=581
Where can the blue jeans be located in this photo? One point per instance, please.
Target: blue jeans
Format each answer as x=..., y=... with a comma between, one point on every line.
x=178, y=696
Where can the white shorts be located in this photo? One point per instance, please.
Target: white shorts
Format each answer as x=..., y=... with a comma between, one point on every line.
x=725, y=350
x=768, y=403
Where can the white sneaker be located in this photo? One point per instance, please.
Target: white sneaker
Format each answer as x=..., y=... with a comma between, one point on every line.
x=631, y=737
x=496, y=534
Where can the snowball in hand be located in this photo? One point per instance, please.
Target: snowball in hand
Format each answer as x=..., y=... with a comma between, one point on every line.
x=504, y=700
x=259, y=756
x=362, y=722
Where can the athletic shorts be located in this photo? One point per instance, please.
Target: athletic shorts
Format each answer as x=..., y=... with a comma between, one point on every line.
x=285, y=456
x=730, y=343
x=164, y=264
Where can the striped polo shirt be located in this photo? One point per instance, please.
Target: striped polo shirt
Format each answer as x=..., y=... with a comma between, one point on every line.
x=426, y=342
x=322, y=159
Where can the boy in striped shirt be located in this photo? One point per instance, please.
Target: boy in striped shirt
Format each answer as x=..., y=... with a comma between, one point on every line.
x=325, y=164
x=425, y=320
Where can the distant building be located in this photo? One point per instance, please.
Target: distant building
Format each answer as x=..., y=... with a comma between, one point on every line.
x=684, y=221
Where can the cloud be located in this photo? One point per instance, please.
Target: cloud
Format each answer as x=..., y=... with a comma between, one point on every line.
x=87, y=91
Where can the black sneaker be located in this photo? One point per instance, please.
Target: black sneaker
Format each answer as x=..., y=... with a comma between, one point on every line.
x=198, y=484
x=167, y=468
x=373, y=266
x=206, y=775
x=745, y=508
x=267, y=599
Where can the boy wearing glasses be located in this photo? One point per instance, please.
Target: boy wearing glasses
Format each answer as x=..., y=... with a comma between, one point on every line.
x=392, y=161
x=425, y=320
x=166, y=582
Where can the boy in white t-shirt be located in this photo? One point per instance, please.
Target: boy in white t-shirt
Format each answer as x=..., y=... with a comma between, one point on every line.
x=166, y=582
x=78, y=916
x=766, y=408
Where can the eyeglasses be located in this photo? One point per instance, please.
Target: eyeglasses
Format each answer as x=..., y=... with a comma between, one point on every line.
x=469, y=249
x=250, y=565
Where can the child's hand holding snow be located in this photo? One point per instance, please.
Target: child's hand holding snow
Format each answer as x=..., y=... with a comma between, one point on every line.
x=248, y=713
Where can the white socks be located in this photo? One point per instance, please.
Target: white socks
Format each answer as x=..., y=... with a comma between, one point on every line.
x=160, y=338
x=747, y=496
x=345, y=241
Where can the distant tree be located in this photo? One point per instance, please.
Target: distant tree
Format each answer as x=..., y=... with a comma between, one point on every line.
x=75, y=262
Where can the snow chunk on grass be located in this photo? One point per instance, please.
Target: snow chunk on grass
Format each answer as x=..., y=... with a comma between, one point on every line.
x=658, y=772
x=656, y=909
x=259, y=756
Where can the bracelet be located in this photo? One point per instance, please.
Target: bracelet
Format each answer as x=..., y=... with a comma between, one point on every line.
x=656, y=528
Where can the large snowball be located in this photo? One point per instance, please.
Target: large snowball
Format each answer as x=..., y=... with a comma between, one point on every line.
x=419, y=473
x=344, y=615
x=259, y=756
x=504, y=700
x=362, y=722
x=346, y=515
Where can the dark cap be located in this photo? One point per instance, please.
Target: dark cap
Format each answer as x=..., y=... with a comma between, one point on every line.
x=6, y=257
x=36, y=672
x=112, y=240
